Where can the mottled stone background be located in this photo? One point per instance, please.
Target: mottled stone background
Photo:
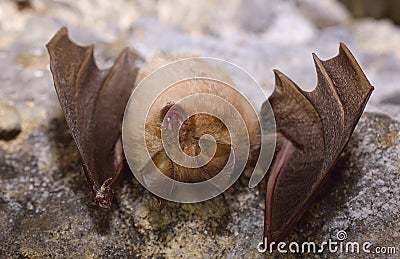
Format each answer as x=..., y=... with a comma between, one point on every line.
x=46, y=209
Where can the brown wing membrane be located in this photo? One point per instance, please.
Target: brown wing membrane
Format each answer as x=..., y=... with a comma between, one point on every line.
x=93, y=102
x=314, y=128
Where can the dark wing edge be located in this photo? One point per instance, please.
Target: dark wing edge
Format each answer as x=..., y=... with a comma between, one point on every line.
x=351, y=90
x=81, y=89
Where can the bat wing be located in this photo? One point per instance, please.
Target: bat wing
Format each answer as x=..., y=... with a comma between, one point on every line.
x=313, y=129
x=93, y=102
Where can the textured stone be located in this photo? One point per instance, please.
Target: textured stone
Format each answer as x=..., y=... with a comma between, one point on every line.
x=47, y=209
x=374, y=8
x=324, y=13
x=10, y=122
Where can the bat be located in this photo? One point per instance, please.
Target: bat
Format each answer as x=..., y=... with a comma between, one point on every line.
x=313, y=130
x=93, y=102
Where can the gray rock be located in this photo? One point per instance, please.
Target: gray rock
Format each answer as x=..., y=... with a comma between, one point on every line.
x=374, y=8
x=324, y=13
x=10, y=122
x=47, y=209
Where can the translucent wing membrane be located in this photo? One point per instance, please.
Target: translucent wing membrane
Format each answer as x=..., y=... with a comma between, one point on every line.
x=93, y=102
x=313, y=129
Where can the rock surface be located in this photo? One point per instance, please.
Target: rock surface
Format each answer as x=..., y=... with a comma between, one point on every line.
x=374, y=8
x=46, y=209
x=10, y=122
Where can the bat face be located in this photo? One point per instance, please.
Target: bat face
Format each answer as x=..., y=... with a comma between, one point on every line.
x=189, y=142
x=165, y=116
